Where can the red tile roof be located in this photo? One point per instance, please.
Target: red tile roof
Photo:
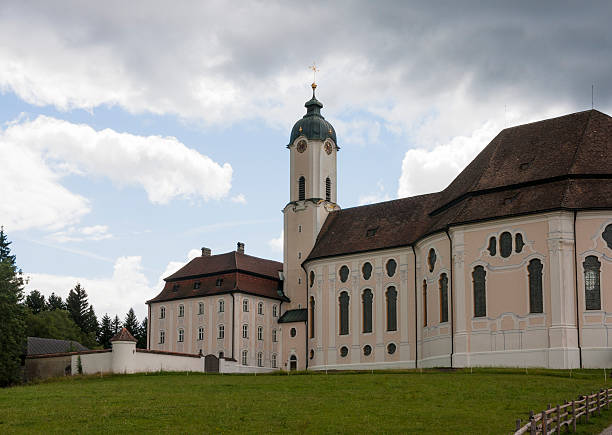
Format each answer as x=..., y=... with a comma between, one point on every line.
x=238, y=272
x=555, y=164
x=124, y=335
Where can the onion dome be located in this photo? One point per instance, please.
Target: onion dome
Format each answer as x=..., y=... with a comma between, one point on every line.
x=313, y=126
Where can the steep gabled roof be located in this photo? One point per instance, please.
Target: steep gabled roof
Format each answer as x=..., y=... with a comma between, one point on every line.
x=123, y=335
x=559, y=163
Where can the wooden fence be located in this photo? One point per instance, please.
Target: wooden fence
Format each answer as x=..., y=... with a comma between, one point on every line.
x=553, y=419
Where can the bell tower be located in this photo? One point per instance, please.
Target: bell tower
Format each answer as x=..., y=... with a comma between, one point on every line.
x=312, y=194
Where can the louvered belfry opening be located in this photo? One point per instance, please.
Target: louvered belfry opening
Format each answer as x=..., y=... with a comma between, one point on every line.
x=302, y=189
x=328, y=189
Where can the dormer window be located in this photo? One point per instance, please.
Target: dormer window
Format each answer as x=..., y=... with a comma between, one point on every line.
x=175, y=287
x=219, y=282
x=196, y=285
x=371, y=232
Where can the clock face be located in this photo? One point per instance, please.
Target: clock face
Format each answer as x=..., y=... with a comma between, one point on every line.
x=301, y=146
x=328, y=147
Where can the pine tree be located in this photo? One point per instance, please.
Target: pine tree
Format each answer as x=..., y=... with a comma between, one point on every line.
x=142, y=335
x=36, y=302
x=131, y=322
x=116, y=325
x=12, y=326
x=78, y=307
x=91, y=323
x=106, y=331
x=55, y=302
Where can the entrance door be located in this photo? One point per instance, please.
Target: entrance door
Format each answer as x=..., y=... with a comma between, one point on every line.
x=211, y=364
x=293, y=363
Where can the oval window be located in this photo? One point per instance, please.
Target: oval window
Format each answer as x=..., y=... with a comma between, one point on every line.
x=367, y=350
x=293, y=332
x=505, y=244
x=391, y=267
x=367, y=271
x=343, y=351
x=344, y=273
x=391, y=348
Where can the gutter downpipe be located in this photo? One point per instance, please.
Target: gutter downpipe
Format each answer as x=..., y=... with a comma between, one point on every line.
x=233, y=319
x=416, y=312
x=452, y=305
x=149, y=328
x=576, y=287
x=307, y=314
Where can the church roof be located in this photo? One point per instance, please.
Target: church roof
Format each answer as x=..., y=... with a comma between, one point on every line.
x=224, y=273
x=557, y=164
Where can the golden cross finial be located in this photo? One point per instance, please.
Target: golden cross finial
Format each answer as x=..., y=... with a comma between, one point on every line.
x=315, y=70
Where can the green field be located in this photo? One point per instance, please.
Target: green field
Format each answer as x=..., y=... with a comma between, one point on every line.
x=485, y=401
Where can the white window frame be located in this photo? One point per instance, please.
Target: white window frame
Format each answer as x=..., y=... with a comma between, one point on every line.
x=273, y=361
x=162, y=337
x=221, y=306
x=162, y=312
x=260, y=333
x=259, y=359
x=201, y=333
x=181, y=335
x=245, y=330
x=245, y=357
x=181, y=310
x=274, y=336
x=220, y=332
x=200, y=308
x=245, y=305
x=274, y=310
x=260, y=308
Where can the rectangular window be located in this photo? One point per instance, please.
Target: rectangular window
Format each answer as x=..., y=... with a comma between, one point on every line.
x=181, y=335
x=443, y=298
x=221, y=306
x=201, y=308
x=200, y=333
x=162, y=337
x=245, y=331
x=221, y=332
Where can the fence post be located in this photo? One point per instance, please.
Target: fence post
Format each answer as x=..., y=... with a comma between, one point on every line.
x=573, y=416
x=558, y=419
x=518, y=424
x=586, y=407
x=544, y=422
x=599, y=402
x=607, y=398
x=532, y=423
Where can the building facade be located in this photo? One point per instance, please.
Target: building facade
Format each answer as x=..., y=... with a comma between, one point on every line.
x=510, y=265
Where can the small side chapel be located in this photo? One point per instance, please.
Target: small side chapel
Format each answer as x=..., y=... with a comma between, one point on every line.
x=510, y=265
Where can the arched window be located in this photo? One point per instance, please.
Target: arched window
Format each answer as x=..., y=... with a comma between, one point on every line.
x=293, y=362
x=391, y=309
x=259, y=359
x=245, y=331
x=492, y=246
x=367, y=270
x=424, y=303
x=505, y=244
x=201, y=333
x=443, y=298
x=480, y=292
x=260, y=308
x=344, y=273
x=607, y=235
x=181, y=335
x=391, y=266
x=274, y=311
x=535, y=286
x=162, y=313
x=592, y=296
x=221, y=306
x=245, y=355
x=366, y=300
x=274, y=337
x=431, y=259
x=328, y=189
x=312, y=278
x=181, y=312
x=260, y=332
x=201, y=308
x=302, y=189
x=273, y=360
x=245, y=305
x=221, y=333
x=311, y=321
x=221, y=354
x=344, y=313
x=162, y=337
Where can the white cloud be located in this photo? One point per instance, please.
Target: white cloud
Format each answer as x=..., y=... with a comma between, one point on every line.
x=126, y=288
x=276, y=243
x=425, y=171
x=239, y=199
x=39, y=152
x=75, y=234
x=377, y=196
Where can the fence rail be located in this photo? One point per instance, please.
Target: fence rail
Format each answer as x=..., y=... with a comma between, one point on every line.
x=553, y=419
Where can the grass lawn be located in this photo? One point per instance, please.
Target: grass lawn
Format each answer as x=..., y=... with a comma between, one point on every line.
x=485, y=401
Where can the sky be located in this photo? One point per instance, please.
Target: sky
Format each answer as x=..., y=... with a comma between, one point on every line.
x=134, y=133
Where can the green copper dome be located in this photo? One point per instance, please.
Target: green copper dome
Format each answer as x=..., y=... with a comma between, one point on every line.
x=313, y=126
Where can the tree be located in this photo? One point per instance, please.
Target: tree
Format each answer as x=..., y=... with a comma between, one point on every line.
x=55, y=324
x=77, y=306
x=116, y=325
x=142, y=335
x=12, y=326
x=131, y=322
x=55, y=302
x=106, y=332
x=36, y=302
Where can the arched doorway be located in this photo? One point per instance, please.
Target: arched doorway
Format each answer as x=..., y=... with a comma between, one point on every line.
x=293, y=363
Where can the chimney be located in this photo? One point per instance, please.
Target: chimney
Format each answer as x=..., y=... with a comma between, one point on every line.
x=240, y=248
x=206, y=252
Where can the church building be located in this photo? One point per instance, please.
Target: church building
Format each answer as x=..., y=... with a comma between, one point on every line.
x=510, y=265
